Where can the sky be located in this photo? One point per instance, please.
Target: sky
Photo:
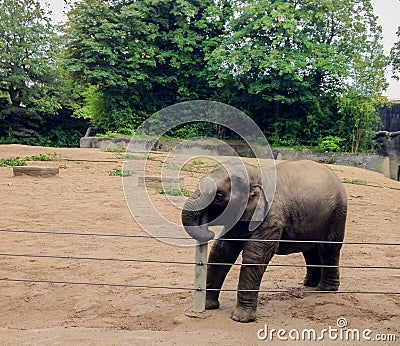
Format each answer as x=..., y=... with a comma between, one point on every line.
x=386, y=10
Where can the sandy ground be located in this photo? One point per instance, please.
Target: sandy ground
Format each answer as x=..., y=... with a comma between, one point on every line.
x=85, y=198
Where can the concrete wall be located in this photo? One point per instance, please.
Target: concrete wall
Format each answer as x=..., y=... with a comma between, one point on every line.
x=373, y=162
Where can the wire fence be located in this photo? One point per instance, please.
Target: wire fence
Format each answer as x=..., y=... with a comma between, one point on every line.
x=195, y=263
x=191, y=263
x=124, y=235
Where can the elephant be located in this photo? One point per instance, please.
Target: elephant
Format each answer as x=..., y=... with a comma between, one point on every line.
x=309, y=206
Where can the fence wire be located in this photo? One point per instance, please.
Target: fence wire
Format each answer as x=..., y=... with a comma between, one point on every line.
x=195, y=263
x=124, y=235
x=120, y=285
x=102, y=284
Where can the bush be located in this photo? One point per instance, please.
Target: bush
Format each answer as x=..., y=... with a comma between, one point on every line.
x=330, y=144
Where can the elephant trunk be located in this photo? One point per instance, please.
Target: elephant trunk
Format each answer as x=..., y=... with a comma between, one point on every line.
x=194, y=220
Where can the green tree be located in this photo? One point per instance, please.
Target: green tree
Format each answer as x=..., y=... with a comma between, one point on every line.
x=295, y=59
x=139, y=56
x=395, y=57
x=361, y=98
x=30, y=79
x=295, y=66
x=360, y=119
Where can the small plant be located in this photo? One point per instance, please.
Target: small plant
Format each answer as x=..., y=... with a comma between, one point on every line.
x=192, y=166
x=135, y=157
x=118, y=149
x=330, y=144
x=18, y=161
x=43, y=157
x=117, y=172
x=172, y=191
x=197, y=163
x=110, y=134
x=12, y=162
x=62, y=167
x=355, y=181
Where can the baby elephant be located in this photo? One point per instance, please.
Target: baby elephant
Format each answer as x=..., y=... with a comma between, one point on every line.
x=309, y=204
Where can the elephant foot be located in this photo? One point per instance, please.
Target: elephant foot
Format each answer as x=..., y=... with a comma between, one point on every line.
x=332, y=285
x=212, y=304
x=241, y=314
x=310, y=281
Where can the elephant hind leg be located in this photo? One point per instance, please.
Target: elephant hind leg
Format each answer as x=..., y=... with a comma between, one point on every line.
x=330, y=280
x=330, y=253
x=313, y=258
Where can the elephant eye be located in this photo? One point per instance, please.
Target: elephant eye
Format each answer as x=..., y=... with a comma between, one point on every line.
x=219, y=197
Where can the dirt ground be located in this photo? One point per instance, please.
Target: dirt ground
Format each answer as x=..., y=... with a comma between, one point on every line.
x=84, y=198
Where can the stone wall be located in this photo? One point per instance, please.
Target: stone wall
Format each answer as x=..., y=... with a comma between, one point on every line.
x=373, y=162
x=390, y=117
x=389, y=143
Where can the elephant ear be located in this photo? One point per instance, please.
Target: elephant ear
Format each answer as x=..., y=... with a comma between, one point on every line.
x=257, y=209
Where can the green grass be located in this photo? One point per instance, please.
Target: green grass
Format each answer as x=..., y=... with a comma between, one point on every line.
x=355, y=181
x=18, y=161
x=136, y=157
x=43, y=157
x=112, y=135
x=193, y=166
x=117, y=172
x=118, y=149
x=172, y=191
x=174, y=167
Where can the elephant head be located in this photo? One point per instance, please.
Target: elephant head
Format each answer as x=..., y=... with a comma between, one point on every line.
x=230, y=193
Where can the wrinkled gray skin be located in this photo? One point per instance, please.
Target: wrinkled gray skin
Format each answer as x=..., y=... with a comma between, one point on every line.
x=310, y=203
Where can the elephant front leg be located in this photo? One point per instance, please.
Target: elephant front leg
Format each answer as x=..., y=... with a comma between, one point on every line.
x=256, y=257
x=222, y=251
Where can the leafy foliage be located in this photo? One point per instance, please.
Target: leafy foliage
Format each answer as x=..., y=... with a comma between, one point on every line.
x=395, y=57
x=360, y=119
x=17, y=161
x=32, y=85
x=285, y=63
x=12, y=161
x=136, y=57
x=303, y=70
x=295, y=59
x=330, y=144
